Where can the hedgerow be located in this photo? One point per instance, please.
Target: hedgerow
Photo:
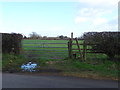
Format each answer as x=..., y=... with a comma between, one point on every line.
x=106, y=42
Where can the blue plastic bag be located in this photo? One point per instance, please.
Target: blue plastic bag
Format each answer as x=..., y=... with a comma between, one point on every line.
x=29, y=67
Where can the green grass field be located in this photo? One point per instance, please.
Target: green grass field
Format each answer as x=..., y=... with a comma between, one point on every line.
x=42, y=50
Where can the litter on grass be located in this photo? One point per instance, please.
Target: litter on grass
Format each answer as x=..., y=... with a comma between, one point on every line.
x=29, y=67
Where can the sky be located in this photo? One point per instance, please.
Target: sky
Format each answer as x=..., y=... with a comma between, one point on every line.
x=52, y=18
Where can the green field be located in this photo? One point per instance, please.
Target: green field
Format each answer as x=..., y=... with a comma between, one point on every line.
x=43, y=51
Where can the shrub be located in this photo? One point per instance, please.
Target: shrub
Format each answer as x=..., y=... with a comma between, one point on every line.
x=11, y=43
x=106, y=42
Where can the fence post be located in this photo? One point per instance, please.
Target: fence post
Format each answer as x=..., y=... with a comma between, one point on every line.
x=72, y=36
x=84, y=50
x=70, y=48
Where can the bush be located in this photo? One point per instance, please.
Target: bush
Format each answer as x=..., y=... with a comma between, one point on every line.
x=106, y=42
x=11, y=43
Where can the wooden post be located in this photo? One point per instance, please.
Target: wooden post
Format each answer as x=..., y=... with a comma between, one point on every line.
x=72, y=36
x=79, y=49
x=70, y=48
x=84, y=50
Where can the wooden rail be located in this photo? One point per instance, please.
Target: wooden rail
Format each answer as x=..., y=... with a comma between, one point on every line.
x=36, y=53
x=82, y=44
x=87, y=52
x=45, y=43
x=82, y=49
x=44, y=47
x=44, y=50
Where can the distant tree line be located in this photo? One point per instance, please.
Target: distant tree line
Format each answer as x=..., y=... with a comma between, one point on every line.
x=34, y=35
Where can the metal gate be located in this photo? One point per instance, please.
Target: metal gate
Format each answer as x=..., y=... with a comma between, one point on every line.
x=45, y=49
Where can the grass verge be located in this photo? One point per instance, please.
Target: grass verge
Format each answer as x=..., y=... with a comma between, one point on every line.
x=104, y=69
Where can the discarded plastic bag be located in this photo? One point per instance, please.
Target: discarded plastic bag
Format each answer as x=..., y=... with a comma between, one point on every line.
x=29, y=67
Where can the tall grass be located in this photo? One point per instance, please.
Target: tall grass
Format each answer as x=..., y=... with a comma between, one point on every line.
x=12, y=62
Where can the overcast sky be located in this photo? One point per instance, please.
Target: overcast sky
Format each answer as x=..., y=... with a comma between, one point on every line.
x=58, y=18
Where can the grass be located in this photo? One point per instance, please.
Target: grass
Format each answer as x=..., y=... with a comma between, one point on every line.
x=96, y=65
x=104, y=69
x=11, y=62
x=96, y=69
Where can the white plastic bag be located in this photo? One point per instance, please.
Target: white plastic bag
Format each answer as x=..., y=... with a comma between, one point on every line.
x=29, y=67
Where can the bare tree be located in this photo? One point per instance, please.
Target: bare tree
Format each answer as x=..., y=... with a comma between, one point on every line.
x=34, y=35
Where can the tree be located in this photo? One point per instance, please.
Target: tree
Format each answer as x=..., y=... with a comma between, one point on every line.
x=25, y=37
x=65, y=37
x=34, y=35
x=44, y=37
x=106, y=42
x=62, y=37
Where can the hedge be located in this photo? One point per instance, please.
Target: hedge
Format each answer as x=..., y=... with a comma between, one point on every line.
x=11, y=43
x=106, y=42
